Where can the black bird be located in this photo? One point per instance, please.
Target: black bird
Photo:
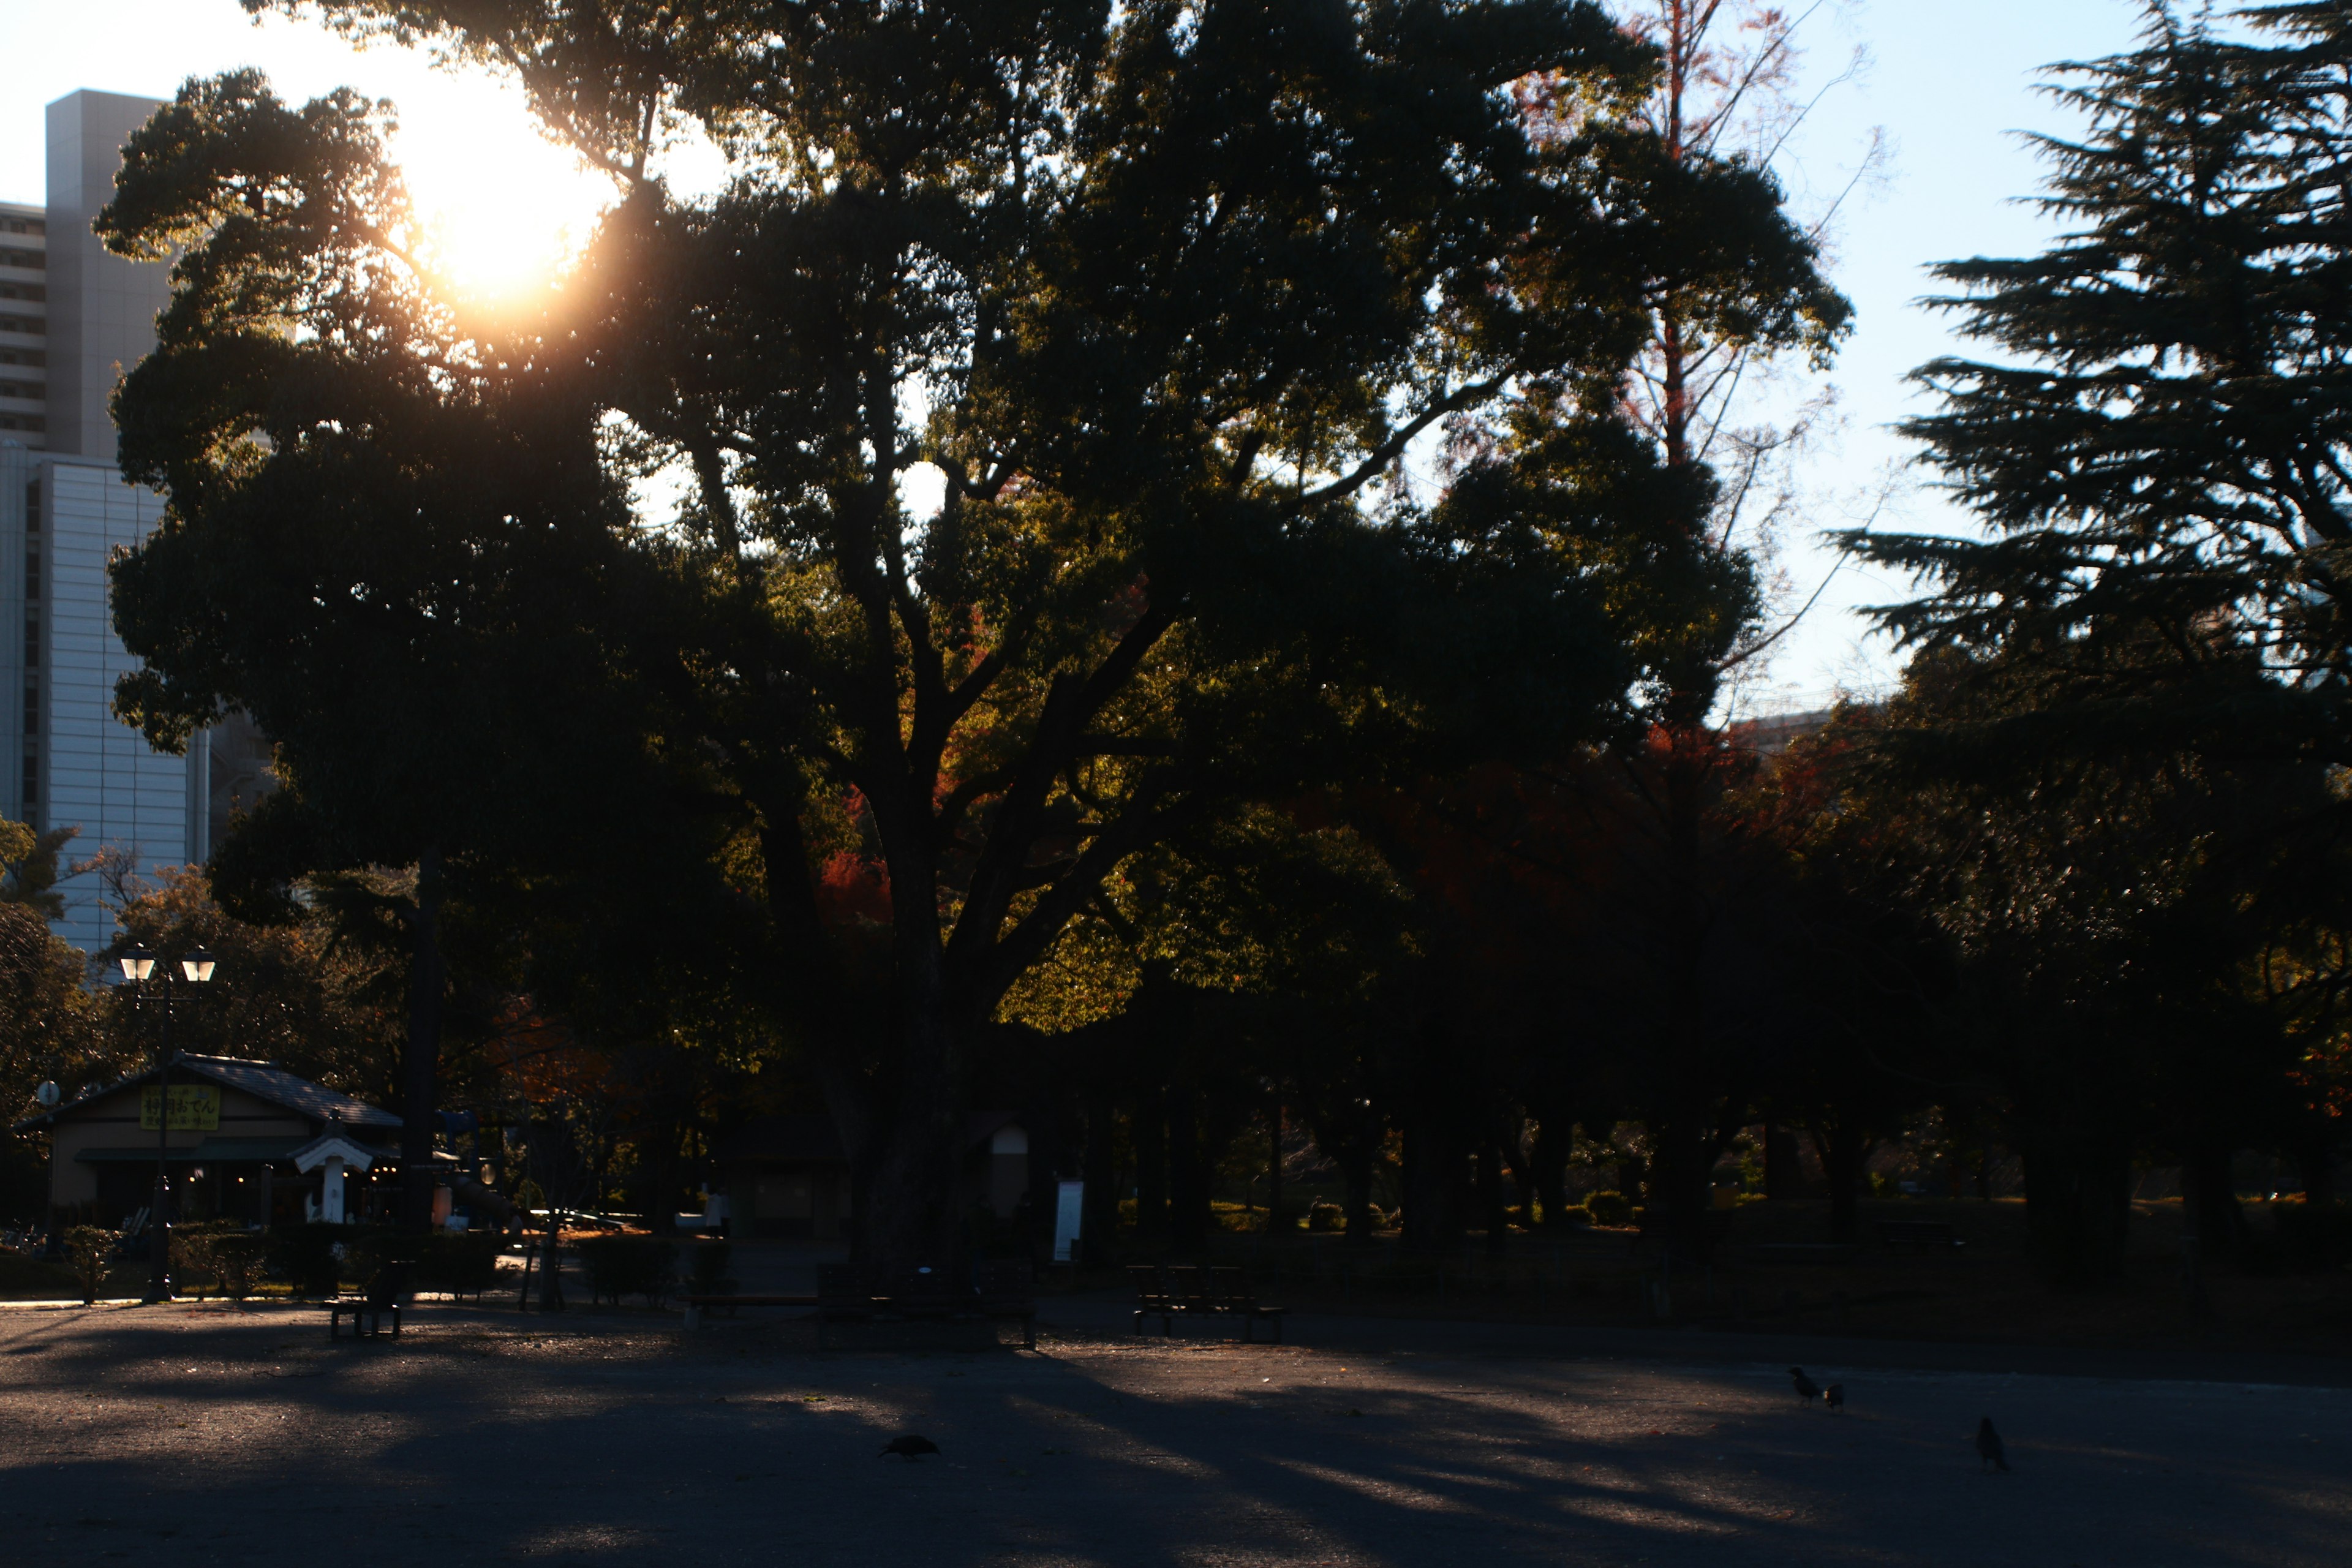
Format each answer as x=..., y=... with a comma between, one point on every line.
x=1835, y=1395
x=907, y=1447
x=1988, y=1448
x=1807, y=1389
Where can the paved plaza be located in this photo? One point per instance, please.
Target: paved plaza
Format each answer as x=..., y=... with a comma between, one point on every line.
x=195, y=1435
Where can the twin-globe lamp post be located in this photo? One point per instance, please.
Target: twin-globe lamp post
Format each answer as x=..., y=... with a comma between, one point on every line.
x=196, y=968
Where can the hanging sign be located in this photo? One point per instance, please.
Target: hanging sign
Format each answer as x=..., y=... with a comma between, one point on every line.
x=196, y=1108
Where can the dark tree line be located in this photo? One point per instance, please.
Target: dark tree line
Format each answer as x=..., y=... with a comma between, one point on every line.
x=1188, y=773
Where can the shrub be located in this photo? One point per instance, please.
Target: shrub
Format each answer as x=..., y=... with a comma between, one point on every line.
x=462, y=1262
x=706, y=1267
x=92, y=1253
x=30, y=1279
x=1327, y=1216
x=194, y=1245
x=1611, y=1208
x=622, y=1265
x=315, y=1258
x=1573, y=1214
x=304, y=1256
x=236, y=1259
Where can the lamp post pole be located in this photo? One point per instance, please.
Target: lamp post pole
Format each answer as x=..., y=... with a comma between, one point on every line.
x=138, y=964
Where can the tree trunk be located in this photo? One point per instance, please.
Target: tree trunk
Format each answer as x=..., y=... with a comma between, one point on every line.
x=1273, y=1170
x=1099, y=1225
x=2314, y=1167
x=659, y=1174
x=1784, y=1175
x=2077, y=1201
x=1151, y=1165
x=1548, y=1174
x=420, y=1057
x=1355, y=1168
x=1492, y=1208
x=1433, y=1159
x=1188, y=1174
x=2211, y=1213
x=1845, y=1154
x=1682, y=1163
x=914, y=1211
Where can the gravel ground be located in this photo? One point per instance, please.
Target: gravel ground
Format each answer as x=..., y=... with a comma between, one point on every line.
x=186, y=1435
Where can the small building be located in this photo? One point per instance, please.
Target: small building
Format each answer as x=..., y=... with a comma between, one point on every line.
x=246, y=1140
x=787, y=1176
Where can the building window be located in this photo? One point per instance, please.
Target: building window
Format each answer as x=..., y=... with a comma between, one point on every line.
x=33, y=507
x=31, y=781
x=32, y=709
x=32, y=574
x=32, y=637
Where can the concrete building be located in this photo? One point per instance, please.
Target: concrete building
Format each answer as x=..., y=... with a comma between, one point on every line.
x=73, y=318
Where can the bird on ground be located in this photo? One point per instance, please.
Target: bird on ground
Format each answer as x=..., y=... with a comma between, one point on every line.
x=1988, y=1450
x=1834, y=1396
x=1807, y=1389
x=907, y=1447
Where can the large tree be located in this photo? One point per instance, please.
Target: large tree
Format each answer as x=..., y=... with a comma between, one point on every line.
x=1162, y=292
x=2162, y=454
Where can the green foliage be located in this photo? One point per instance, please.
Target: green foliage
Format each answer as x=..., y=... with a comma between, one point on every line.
x=91, y=1252
x=1178, y=287
x=1610, y=1208
x=28, y=867
x=2161, y=457
x=32, y=1278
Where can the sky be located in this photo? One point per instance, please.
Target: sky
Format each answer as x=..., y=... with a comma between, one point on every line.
x=1950, y=85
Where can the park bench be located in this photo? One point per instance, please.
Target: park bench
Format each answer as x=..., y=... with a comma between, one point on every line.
x=1203, y=1292
x=850, y=1292
x=699, y=1306
x=1916, y=1233
x=368, y=1312
x=1152, y=1298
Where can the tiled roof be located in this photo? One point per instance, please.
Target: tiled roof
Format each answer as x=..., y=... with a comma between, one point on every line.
x=259, y=1080
x=279, y=1086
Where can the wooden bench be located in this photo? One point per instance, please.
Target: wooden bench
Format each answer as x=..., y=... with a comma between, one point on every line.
x=853, y=1293
x=1916, y=1233
x=1152, y=1298
x=368, y=1312
x=1192, y=1291
x=697, y=1305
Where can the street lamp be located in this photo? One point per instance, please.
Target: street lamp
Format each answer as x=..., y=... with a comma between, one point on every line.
x=138, y=965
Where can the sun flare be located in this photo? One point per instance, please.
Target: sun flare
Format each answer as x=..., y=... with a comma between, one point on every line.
x=504, y=209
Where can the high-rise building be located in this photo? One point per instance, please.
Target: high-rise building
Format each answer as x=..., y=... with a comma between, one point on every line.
x=73, y=318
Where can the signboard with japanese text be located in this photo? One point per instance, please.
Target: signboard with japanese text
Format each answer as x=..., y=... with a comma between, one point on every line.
x=196, y=1108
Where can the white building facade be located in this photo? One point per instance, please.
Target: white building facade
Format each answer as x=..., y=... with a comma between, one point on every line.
x=72, y=320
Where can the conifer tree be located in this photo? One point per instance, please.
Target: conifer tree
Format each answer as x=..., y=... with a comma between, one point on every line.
x=2163, y=456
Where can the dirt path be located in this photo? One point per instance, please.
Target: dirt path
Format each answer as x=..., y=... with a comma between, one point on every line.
x=179, y=1436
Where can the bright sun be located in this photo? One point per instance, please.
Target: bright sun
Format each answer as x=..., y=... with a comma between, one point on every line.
x=506, y=207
